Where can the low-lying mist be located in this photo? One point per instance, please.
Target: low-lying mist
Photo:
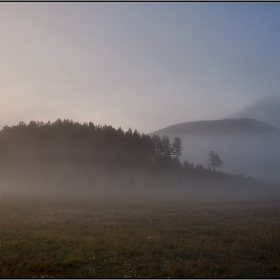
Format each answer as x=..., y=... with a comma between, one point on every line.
x=69, y=158
x=132, y=184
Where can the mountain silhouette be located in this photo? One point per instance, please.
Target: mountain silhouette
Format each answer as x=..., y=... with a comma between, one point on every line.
x=266, y=110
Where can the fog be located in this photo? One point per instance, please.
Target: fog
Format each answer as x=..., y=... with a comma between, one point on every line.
x=131, y=185
x=254, y=154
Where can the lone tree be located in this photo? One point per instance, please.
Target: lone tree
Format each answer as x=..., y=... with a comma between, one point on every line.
x=214, y=160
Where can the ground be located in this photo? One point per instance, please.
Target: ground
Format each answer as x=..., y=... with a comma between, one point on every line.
x=54, y=236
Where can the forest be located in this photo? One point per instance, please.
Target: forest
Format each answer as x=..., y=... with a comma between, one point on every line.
x=69, y=141
x=69, y=156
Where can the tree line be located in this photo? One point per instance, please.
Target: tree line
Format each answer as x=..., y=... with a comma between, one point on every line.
x=64, y=141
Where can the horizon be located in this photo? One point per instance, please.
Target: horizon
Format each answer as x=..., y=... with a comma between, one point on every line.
x=257, y=102
x=143, y=66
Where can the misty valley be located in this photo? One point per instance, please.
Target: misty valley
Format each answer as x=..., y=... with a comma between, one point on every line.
x=193, y=200
x=139, y=140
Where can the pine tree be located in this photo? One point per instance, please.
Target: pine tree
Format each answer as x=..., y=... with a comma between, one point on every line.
x=167, y=149
x=214, y=160
x=177, y=147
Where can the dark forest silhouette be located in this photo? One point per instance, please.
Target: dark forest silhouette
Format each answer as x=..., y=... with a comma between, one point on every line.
x=65, y=140
x=70, y=153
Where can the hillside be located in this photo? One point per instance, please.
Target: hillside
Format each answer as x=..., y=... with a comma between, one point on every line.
x=266, y=110
x=227, y=126
x=246, y=146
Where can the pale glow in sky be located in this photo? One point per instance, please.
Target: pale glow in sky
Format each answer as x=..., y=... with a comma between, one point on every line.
x=138, y=65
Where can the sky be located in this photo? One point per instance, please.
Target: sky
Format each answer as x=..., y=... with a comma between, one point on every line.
x=134, y=65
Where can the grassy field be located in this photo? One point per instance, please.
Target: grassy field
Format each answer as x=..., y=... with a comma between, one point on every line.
x=93, y=237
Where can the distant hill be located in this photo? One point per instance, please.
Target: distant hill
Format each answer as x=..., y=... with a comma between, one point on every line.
x=246, y=146
x=266, y=110
x=227, y=126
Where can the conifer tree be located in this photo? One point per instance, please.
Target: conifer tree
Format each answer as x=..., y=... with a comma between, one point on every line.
x=214, y=160
x=177, y=147
x=167, y=149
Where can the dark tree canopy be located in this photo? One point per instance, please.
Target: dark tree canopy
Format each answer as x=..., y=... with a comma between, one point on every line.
x=65, y=140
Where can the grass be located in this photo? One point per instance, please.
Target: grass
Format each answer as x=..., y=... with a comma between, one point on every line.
x=91, y=237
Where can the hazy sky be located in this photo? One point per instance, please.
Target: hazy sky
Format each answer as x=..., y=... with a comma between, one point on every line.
x=138, y=65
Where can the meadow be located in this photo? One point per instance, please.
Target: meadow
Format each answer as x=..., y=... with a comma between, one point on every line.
x=54, y=236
